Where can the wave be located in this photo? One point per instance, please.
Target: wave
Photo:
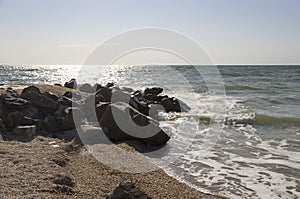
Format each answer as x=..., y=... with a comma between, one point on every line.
x=262, y=119
x=241, y=87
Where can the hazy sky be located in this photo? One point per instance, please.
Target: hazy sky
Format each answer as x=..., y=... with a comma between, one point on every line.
x=232, y=31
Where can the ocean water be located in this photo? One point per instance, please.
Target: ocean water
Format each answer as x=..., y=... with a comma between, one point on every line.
x=242, y=137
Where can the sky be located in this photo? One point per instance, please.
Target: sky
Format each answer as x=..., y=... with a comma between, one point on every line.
x=230, y=31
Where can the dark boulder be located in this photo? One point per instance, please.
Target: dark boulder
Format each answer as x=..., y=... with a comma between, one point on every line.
x=153, y=91
x=28, y=89
x=100, y=109
x=32, y=112
x=16, y=103
x=121, y=114
x=52, y=96
x=71, y=84
x=30, y=121
x=103, y=95
x=69, y=118
x=33, y=95
x=128, y=191
x=174, y=105
x=50, y=124
x=68, y=101
x=57, y=84
x=87, y=88
x=72, y=95
x=14, y=119
x=97, y=87
x=109, y=85
x=120, y=96
x=24, y=131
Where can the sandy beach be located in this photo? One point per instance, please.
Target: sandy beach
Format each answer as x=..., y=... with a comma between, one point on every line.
x=45, y=167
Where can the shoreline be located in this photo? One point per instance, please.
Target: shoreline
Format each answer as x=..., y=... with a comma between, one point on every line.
x=31, y=168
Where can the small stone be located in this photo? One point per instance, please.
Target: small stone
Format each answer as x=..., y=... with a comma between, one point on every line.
x=24, y=131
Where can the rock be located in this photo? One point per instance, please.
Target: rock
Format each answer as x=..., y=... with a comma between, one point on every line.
x=174, y=105
x=153, y=91
x=109, y=85
x=28, y=89
x=1, y=125
x=97, y=87
x=127, y=90
x=30, y=121
x=154, y=98
x=67, y=101
x=14, y=119
x=33, y=95
x=57, y=84
x=66, y=120
x=72, y=95
x=52, y=96
x=103, y=95
x=50, y=124
x=16, y=103
x=60, y=110
x=128, y=191
x=32, y=112
x=24, y=131
x=71, y=84
x=120, y=96
x=130, y=131
x=11, y=92
x=100, y=109
x=63, y=180
x=87, y=88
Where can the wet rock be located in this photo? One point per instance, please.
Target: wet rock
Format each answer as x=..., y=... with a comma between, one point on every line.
x=24, y=131
x=120, y=114
x=128, y=191
x=57, y=84
x=174, y=105
x=87, y=88
x=66, y=121
x=16, y=103
x=14, y=119
x=71, y=84
x=153, y=91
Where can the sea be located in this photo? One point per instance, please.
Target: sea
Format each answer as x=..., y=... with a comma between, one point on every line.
x=241, y=138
